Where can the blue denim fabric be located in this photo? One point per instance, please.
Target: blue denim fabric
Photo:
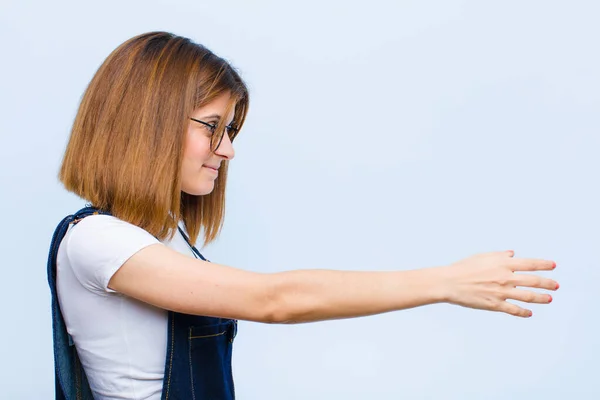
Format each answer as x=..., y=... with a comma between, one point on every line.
x=199, y=349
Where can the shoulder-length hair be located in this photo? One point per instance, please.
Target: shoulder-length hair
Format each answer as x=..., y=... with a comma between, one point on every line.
x=126, y=146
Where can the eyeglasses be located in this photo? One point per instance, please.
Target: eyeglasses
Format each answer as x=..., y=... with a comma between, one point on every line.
x=215, y=138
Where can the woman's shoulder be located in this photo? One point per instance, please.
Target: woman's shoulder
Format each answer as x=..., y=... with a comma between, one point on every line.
x=98, y=245
x=106, y=232
x=103, y=221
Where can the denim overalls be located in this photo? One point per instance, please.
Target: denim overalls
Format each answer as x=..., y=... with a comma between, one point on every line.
x=198, y=362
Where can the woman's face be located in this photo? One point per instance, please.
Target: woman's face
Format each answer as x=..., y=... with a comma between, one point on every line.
x=200, y=165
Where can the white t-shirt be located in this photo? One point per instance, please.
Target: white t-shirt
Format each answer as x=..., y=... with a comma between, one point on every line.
x=121, y=342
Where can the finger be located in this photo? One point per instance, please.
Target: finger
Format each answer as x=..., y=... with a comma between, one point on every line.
x=504, y=253
x=528, y=296
x=534, y=281
x=515, y=310
x=509, y=253
x=532, y=264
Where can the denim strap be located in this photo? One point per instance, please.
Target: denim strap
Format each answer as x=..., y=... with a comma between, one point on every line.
x=70, y=380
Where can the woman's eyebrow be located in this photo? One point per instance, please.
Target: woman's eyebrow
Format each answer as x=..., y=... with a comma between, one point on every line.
x=217, y=116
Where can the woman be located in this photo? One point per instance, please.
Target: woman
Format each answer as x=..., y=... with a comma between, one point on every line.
x=138, y=312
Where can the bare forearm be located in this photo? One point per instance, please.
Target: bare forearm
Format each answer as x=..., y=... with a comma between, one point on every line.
x=314, y=295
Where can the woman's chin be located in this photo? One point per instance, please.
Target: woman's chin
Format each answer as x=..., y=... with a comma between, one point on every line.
x=199, y=190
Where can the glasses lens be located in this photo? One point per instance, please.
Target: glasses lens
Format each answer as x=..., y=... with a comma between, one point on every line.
x=217, y=136
x=232, y=132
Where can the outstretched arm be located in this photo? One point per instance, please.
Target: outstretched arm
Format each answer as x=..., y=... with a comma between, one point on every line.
x=167, y=279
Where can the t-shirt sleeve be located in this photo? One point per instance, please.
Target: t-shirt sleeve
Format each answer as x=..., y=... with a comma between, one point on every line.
x=99, y=245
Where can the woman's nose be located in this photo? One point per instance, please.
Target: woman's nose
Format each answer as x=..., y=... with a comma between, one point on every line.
x=225, y=149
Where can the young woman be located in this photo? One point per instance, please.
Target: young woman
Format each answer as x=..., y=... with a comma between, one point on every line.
x=138, y=312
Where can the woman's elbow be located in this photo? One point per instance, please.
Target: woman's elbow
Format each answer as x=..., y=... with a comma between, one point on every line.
x=276, y=307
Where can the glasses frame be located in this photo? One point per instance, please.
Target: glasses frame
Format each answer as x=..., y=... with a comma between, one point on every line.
x=213, y=128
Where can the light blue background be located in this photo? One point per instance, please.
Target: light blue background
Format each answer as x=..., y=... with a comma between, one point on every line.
x=381, y=136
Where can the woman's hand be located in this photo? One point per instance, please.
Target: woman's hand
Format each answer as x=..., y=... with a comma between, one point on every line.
x=485, y=281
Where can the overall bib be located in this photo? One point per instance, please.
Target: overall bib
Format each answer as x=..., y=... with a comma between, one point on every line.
x=199, y=349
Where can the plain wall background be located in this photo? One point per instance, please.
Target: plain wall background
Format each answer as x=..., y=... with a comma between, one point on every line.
x=382, y=135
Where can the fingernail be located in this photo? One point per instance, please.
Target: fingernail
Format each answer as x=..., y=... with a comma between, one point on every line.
x=549, y=299
x=553, y=265
x=530, y=313
x=557, y=286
